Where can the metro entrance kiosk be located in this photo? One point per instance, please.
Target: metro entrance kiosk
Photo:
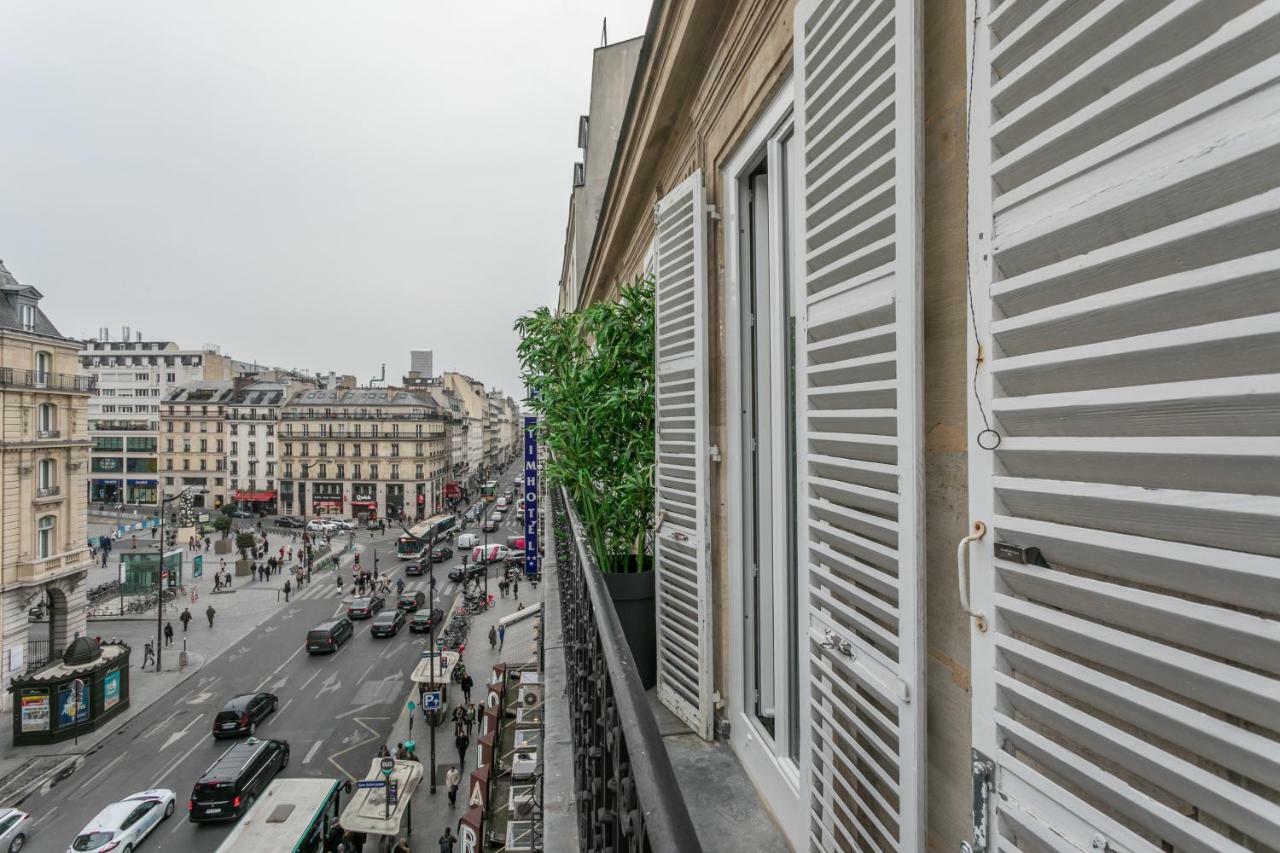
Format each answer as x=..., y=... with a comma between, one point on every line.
x=380, y=801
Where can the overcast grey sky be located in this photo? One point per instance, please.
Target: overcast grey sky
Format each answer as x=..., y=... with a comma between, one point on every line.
x=308, y=183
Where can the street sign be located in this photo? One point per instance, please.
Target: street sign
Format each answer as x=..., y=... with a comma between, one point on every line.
x=371, y=783
x=431, y=700
x=197, y=566
x=388, y=765
x=393, y=792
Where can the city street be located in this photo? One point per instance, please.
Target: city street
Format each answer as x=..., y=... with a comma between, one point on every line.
x=334, y=710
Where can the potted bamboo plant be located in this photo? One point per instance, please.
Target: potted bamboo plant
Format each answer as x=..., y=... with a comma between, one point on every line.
x=593, y=371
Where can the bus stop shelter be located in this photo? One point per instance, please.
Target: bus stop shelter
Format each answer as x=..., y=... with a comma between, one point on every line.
x=380, y=801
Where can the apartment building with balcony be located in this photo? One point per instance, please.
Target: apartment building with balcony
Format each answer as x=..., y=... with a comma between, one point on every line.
x=193, y=441
x=362, y=452
x=44, y=459
x=253, y=447
x=475, y=407
x=967, y=423
x=131, y=377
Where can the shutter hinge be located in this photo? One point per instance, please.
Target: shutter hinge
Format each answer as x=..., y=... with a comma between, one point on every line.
x=713, y=213
x=983, y=770
x=713, y=452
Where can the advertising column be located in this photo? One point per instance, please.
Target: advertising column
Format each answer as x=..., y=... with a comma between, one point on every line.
x=530, y=495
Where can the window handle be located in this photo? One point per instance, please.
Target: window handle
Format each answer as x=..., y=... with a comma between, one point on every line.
x=962, y=572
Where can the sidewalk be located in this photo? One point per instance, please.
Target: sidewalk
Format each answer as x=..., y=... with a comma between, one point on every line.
x=238, y=611
x=431, y=813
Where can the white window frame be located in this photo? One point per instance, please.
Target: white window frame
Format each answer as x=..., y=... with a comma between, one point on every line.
x=782, y=781
x=28, y=317
x=45, y=545
x=47, y=418
x=43, y=367
x=47, y=473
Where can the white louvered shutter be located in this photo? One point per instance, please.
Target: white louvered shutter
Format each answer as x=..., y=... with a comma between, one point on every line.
x=1125, y=249
x=681, y=546
x=856, y=108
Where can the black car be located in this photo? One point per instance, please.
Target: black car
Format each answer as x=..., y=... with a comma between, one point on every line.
x=387, y=623
x=241, y=715
x=475, y=570
x=365, y=606
x=423, y=620
x=290, y=521
x=327, y=636
x=411, y=601
x=414, y=568
x=439, y=555
x=489, y=525
x=239, y=776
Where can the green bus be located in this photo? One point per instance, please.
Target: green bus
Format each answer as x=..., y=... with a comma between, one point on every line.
x=291, y=816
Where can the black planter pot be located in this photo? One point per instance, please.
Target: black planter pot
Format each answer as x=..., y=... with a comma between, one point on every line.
x=633, y=599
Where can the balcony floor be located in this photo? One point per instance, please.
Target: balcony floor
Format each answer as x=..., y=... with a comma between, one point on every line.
x=726, y=809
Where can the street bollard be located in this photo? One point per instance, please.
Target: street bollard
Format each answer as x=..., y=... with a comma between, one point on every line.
x=182, y=656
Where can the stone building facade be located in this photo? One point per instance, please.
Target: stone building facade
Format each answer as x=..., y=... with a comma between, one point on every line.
x=193, y=442
x=44, y=459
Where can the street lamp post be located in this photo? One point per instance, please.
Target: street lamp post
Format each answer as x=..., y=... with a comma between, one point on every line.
x=160, y=574
x=431, y=609
x=302, y=500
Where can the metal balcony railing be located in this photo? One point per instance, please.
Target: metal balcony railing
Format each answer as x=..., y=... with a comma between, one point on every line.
x=48, y=433
x=627, y=795
x=48, y=491
x=46, y=380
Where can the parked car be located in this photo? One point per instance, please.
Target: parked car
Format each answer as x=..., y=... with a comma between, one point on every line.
x=411, y=600
x=121, y=826
x=387, y=623
x=327, y=636
x=228, y=788
x=342, y=523
x=514, y=558
x=489, y=525
x=498, y=516
x=365, y=606
x=241, y=714
x=466, y=540
x=441, y=553
x=500, y=503
x=15, y=826
x=241, y=513
x=414, y=568
x=422, y=620
x=321, y=525
x=289, y=521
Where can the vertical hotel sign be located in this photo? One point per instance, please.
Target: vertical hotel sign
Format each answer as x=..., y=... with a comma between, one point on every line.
x=530, y=495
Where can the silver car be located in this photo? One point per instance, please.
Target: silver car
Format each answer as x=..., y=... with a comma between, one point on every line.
x=15, y=826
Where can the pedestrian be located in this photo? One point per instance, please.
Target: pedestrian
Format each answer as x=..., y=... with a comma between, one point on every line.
x=467, y=683
x=458, y=716
x=104, y=559
x=208, y=543
x=168, y=633
x=461, y=741
x=210, y=613
x=447, y=841
x=469, y=719
x=502, y=634
x=402, y=846
x=339, y=579
x=401, y=755
x=515, y=588
x=493, y=636
x=148, y=654
x=287, y=588
x=452, y=779
x=384, y=752
x=185, y=618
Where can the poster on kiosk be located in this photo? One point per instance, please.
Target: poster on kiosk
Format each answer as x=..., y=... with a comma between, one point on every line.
x=530, y=495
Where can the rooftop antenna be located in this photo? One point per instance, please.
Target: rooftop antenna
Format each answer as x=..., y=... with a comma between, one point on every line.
x=604, y=33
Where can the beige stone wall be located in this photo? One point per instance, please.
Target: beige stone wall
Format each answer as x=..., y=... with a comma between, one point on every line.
x=208, y=426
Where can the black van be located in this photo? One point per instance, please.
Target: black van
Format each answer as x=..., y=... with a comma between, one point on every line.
x=229, y=787
x=327, y=636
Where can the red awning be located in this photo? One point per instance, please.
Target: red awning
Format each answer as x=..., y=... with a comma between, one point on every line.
x=254, y=496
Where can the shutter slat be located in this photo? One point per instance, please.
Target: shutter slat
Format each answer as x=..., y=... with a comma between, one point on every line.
x=681, y=553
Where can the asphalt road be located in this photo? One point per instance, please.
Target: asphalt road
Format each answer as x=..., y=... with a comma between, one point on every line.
x=335, y=711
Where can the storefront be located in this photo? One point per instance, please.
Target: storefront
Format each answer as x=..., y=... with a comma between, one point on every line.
x=326, y=499
x=395, y=500
x=106, y=491
x=364, y=500
x=256, y=501
x=142, y=491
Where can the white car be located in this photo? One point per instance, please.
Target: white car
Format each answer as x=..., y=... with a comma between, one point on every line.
x=121, y=826
x=321, y=525
x=343, y=523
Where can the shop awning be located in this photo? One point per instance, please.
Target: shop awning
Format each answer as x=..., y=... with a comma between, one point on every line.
x=254, y=496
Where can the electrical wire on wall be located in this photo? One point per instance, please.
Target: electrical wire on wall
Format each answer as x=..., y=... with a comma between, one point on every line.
x=988, y=438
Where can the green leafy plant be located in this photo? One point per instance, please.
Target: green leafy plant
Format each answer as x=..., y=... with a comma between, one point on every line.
x=245, y=542
x=592, y=370
x=222, y=524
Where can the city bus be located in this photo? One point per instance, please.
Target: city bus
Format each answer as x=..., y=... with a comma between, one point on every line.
x=291, y=816
x=424, y=534
x=489, y=490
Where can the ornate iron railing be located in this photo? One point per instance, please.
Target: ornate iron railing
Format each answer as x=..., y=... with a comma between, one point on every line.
x=42, y=379
x=627, y=794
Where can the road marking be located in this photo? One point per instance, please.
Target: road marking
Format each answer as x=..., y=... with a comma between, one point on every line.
x=311, y=753
x=175, y=765
x=200, y=698
x=177, y=736
x=373, y=736
x=162, y=723
x=95, y=776
x=296, y=651
x=308, y=681
x=178, y=824
x=365, y=675
x=50, y=812
x=331, y=685
x=284, y=708
x=281, y=683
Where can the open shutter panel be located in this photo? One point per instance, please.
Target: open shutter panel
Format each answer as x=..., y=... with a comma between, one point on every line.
x=856, y=111
x=1125, y=247
x=681, y=547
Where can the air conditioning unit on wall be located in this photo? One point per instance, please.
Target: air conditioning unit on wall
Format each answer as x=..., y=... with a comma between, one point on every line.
x=530, y=695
